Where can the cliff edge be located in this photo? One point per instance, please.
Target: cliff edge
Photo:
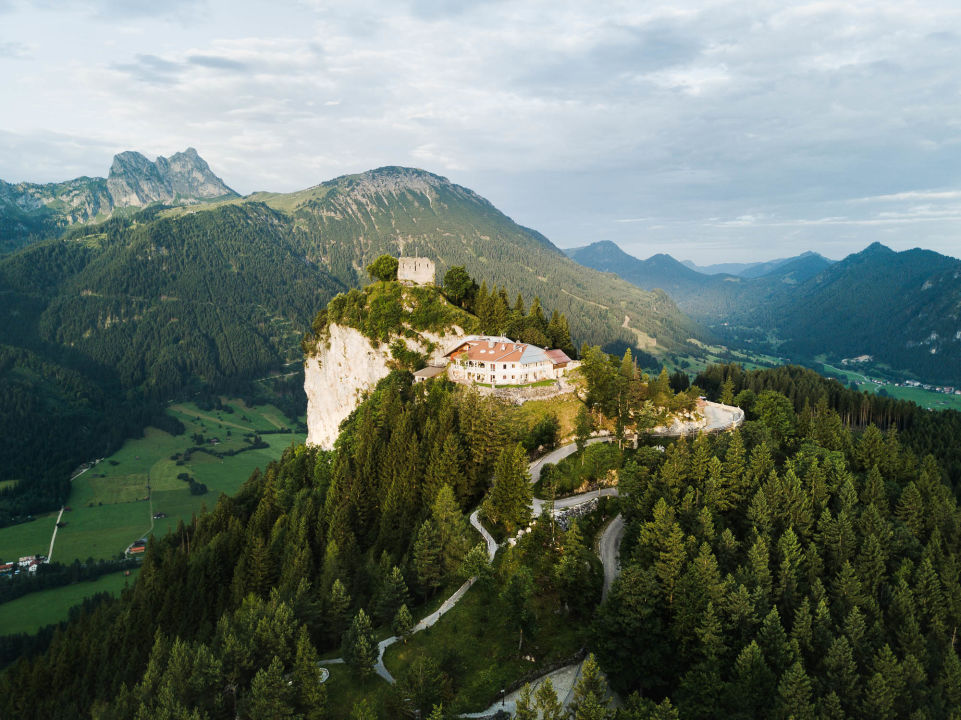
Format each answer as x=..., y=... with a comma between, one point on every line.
x=361, y=337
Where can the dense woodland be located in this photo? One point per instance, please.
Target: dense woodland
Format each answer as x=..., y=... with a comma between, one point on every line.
x=280, y=570
x=99, y=328
x=800, y=567
x=794, y=568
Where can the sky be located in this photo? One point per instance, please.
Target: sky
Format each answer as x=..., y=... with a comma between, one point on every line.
x=715, y=131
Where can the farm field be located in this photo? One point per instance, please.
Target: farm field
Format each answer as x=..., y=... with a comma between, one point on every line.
x=925, y=398
x=32, y=612
x=30, y=538
x=113, y=503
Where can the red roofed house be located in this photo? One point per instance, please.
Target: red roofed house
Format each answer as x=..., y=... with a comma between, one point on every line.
x=502, y=361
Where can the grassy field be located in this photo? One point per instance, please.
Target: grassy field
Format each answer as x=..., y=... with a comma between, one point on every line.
x=925, y=398
x=113, y=503
x=30, y=538
x=31, y=612
x=565, y=407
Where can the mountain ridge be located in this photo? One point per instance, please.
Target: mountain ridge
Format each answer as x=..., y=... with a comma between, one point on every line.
x=32, y=210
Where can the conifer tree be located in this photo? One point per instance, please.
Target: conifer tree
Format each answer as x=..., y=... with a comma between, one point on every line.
x=449, y=523
x=360, y=647
x=508, y=501
x=427, y=557
x=269, y=694
x=795, y=693
x=338, y=609
x=547, y=703
x=590, y=692
x=403, y=623
x=310, y=693
x=363, y=711
x=525, y=708
x=393, y=594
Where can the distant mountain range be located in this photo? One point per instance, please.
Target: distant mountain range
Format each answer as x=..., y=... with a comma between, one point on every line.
x=29, y=210
x=747, y=270
x=902, y=308
x=160, y=301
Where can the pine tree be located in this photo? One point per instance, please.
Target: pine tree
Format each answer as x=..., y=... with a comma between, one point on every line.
x=393, y=594
x=525, y=708
x=363, y=711
x=449, y=523
x=548, y=704
x=360, y=647
x=590, y=692
x=338, y=609
x=910, y=510
x=796, y=694
x=509, y=499
x=310, y=693
x=269, y=694
x=427, y=558
x=727, y=392
x=403, y=623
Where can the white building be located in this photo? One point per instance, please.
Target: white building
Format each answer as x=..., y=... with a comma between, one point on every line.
x=502, y=361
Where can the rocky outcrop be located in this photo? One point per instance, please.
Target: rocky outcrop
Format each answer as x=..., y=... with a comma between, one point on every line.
x=345, y=366
x=134, y=181
x=183, y=177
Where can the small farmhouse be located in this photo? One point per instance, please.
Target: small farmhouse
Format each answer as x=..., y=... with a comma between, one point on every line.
x=499, y=360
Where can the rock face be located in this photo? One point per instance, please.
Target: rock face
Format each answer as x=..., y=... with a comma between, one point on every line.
x=344, y=368
x=136, y=181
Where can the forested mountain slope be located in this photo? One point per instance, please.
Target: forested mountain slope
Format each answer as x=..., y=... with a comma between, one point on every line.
x=166, y=301
x=903, y=308
x=796, y=568
x=347, y=222
x=104, y=324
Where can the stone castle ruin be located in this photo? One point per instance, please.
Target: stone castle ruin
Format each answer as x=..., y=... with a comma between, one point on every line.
x=415, y=270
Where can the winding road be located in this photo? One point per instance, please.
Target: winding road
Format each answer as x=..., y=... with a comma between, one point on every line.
x=718, y=417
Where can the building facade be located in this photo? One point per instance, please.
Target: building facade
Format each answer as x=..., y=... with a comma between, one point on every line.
x=497, y=360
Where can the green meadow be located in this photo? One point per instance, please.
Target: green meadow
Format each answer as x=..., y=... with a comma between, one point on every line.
x=113, y=503
x=32, y=612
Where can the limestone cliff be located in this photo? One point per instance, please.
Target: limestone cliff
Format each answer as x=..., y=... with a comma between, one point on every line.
x=346, y=367
x=364, y=334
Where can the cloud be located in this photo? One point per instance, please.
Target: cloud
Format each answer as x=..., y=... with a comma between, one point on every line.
x=12, y=50
x=217, y=63
x=740, y=124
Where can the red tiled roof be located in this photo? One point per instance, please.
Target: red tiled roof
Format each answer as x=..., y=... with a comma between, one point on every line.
x=558, y=357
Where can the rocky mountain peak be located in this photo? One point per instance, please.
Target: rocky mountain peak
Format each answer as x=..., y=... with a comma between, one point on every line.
x=183, y=177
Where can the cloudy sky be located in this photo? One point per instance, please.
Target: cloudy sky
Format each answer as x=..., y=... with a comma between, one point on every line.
x=712, y=130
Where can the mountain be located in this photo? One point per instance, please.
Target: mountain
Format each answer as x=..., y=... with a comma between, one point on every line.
x=347, y=222
x=902, y=308
x=29, y=210
x=165, y=302
x=707, y=298
x=748, y=270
